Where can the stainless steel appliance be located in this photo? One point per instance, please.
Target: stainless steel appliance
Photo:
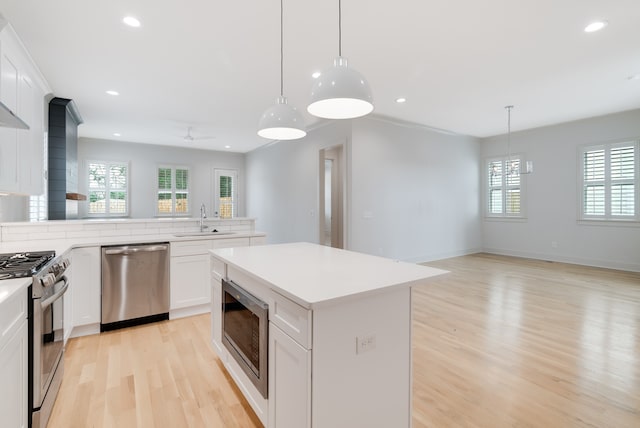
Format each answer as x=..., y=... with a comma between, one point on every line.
x=46, y=325
x=245, y=329
x=135, y=285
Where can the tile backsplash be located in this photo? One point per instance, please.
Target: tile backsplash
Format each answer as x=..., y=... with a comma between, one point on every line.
x=70, y=229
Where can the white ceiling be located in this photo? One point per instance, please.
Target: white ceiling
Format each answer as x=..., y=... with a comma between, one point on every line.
x=214, y=65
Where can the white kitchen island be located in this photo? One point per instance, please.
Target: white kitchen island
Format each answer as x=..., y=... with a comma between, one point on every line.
x=339, y=348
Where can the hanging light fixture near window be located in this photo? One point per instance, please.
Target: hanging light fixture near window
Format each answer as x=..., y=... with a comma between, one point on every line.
x=340, y=92
x=281, y=121
x=515, y=167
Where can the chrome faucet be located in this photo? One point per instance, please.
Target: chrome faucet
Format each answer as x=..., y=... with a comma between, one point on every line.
x=203, y=215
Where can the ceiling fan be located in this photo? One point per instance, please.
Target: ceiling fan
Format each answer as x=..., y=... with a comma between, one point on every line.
x=188, y=138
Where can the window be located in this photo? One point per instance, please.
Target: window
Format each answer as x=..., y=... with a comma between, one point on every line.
x=108, y=189
x=226, y=193
x=609, y=175
x=173, y=191
x=505, y=190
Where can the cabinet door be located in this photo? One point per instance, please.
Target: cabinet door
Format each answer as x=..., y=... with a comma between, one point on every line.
x=31, y=141
x=190, y=281
x=8, y=136
x=216, y=314
x=289, y=381
x=85, y=282
x=13, y=372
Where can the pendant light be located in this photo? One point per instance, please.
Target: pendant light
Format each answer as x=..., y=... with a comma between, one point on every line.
x=281, y=121
x=522, y=166
x=340, y=92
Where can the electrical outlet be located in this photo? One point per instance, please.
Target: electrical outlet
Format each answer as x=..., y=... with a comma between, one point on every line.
x=365, y=343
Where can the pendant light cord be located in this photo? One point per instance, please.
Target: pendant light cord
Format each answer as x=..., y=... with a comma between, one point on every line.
x=508, y=169
x=281, y=50
x=339, y=27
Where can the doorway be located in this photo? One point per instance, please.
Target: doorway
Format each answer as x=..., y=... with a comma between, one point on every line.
x=331, y=201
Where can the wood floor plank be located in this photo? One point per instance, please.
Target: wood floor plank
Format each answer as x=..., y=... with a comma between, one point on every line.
x=498, y=342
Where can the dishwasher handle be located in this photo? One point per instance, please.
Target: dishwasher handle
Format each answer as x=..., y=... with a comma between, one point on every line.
x=133, y=250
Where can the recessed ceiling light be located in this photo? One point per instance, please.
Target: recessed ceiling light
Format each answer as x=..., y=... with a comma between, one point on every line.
x=113, y=92
x=117, y=134
x=316, y=74
x=634, y=77
x=401, y=100
x=227, y=147
x=595, y=26
x=131, y=21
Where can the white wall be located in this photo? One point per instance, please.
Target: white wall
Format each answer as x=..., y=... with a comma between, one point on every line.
x=420, y=187
x=282, y=184
x=144, y=160
x=414, y=192
x=553, y=197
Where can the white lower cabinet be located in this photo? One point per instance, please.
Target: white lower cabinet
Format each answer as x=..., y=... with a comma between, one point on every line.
x=191, y=274
x=289, y=381
x=86, y=286
x=190, y=281
x=13, y=372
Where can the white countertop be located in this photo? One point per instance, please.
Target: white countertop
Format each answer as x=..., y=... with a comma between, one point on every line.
x=10, y=286
x=62, y=245
x=312, y=274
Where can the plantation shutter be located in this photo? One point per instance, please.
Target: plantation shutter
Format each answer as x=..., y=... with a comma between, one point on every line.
x=623, y=166
x=594, y=185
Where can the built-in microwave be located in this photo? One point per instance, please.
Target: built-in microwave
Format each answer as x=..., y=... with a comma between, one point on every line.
x=245, y=329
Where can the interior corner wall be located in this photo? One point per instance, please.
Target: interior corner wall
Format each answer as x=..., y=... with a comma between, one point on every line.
x=144, y=160
x=282, y=184
x=414, y=192
x=552, y=230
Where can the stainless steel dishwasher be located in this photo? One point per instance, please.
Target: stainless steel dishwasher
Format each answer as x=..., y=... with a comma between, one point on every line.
x=135, y=285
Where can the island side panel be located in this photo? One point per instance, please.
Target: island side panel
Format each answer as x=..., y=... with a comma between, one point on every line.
x=363, y=387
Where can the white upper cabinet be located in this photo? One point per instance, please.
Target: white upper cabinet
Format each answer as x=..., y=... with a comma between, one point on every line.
x=22, y=90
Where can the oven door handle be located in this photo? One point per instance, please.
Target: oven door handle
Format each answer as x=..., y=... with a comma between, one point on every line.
x=49, y=300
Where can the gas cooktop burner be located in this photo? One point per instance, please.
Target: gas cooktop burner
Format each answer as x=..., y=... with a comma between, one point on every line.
x=19, y=265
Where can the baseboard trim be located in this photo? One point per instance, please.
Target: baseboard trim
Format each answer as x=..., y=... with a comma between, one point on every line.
x=607, y=264
x=440, y=256
x=85, y=330
x=190, y=311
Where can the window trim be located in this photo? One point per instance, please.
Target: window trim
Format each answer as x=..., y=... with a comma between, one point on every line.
x=108, y=164
x=607, y=217
x=488, y=215
x=173, y=168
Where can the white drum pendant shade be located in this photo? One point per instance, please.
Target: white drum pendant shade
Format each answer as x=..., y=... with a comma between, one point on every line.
x=281, y=122
x=340, y=93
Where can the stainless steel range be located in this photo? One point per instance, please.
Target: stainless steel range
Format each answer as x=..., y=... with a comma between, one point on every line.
x=19, y=265
x=46, y=326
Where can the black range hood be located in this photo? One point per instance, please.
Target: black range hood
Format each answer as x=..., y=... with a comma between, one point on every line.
x=8, y=119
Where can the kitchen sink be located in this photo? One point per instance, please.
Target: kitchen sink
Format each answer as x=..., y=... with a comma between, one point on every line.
x=182, y=235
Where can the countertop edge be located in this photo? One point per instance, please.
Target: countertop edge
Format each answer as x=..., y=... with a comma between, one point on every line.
x=328, y=301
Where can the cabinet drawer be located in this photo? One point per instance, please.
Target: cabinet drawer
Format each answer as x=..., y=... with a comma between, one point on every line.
x=13, y=312
x=291, y=318
x=230, y=243
x=190, y=248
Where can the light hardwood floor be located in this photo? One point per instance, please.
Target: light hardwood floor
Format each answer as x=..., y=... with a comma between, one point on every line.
x=499, y=342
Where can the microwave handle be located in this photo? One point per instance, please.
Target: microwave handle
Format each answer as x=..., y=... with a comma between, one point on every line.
x=49, y=300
